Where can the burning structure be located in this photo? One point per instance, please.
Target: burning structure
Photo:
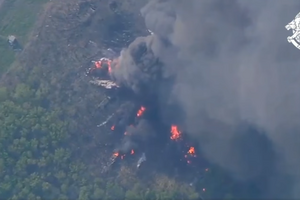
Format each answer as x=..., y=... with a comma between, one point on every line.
x=196, y=77
x=101, y=67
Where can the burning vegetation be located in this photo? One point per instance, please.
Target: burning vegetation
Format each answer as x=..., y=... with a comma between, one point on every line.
x=128, y=122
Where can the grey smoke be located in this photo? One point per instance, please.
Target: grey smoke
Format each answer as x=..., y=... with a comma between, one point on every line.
x=233, y=65
x=135, y=135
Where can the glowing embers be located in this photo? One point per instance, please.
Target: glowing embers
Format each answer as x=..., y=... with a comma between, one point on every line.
x=140, y=111
x=122, y=156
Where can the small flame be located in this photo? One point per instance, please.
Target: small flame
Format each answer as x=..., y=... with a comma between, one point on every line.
x=98, y=64
x=203, y=189
x=140, y=111
x=192, y=150
x=132, y=151
x=176, y=134
x=109, y=66
x=112, y=128
x=116, y=154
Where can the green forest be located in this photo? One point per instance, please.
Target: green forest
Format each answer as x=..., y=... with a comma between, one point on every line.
x=37, y=161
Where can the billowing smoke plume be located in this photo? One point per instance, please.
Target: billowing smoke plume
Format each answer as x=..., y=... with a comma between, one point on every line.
x=236, y=78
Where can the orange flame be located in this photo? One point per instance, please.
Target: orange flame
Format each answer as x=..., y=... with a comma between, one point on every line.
x=176, y=134
x=98, y=64
x=116, y=154
x=112, y=128
x=191, y=150
x=140, y=111
x=132, y=151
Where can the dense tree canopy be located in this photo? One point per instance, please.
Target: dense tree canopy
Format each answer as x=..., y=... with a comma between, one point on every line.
x=36, y=161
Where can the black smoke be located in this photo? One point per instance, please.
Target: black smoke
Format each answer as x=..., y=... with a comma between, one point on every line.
x=228, y=66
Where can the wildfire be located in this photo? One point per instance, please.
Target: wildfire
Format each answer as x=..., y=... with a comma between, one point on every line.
x=132, y=151
x=140, y=111
x=112, y=128
x=176, y=134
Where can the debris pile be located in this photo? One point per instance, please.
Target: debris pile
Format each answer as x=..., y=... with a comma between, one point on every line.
x=101, y=68
x=108, y=84
x=128, y=121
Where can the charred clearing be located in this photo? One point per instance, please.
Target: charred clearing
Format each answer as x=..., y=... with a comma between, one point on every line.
x=139, y=122
x=141, y=70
